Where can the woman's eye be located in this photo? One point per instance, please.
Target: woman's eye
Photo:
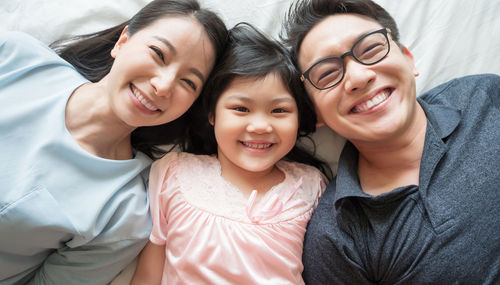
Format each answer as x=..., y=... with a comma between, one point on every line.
x=191, y=84
x=158, y=52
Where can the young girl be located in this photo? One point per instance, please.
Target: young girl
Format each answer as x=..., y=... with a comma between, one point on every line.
x=239, y=214
x=77, y=135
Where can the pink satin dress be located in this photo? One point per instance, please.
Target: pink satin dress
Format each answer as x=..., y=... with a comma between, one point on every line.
x=215, y=235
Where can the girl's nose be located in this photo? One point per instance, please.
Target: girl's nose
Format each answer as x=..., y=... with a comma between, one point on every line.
x=259, y=125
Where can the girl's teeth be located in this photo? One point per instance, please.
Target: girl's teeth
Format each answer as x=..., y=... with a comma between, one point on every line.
x=257, y=146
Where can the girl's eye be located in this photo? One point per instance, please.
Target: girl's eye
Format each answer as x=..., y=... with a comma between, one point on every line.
x=158, y=52
x=240, y=109
x=279, y=110
x=191, y=84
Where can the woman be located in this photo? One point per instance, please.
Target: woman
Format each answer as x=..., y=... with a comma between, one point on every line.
x=73, y=208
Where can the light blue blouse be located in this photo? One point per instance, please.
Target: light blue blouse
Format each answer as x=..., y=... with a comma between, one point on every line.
x=66, y=216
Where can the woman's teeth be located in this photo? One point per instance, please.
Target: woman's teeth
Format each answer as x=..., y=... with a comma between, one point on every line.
x=143, y=100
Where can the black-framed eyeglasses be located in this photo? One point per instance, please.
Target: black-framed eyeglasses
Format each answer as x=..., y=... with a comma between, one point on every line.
x=369, y=49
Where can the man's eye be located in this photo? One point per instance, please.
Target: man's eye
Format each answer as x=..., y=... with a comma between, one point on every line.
x=158, y=52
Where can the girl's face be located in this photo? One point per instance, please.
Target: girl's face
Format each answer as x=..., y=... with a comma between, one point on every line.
x=255, y=124
x=159, y=71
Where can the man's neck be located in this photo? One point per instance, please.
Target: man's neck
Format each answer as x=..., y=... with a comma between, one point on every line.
x=383, y=167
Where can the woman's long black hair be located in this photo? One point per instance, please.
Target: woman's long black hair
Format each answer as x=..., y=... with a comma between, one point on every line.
x=90, y=54
x=251, y=54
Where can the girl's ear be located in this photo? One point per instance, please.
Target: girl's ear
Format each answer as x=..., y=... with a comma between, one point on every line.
x=121, y=40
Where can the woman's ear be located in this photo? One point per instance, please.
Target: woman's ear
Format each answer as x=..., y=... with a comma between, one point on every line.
x=211, y=119
x=121, y=40
x=409, y=58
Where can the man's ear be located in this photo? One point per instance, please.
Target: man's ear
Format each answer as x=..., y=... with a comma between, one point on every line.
x=319, y=120
x=121, y=40
x=409, y=58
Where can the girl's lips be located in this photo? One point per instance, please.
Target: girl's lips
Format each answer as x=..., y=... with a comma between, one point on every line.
x=373, y=101
x=144, y=100
x=255, y=145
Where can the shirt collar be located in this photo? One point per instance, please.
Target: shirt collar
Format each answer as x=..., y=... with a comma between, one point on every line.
x=443, y=119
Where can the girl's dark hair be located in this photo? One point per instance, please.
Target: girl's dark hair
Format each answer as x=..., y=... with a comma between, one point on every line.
x=90, y=55
x=250, y=54
x=303, y=15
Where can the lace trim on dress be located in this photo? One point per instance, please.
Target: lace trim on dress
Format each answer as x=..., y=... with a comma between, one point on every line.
x=274, y=205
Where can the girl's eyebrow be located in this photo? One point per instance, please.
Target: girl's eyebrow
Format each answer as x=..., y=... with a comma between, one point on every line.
x=274, y=101
x=284, y=99
x=172, y=49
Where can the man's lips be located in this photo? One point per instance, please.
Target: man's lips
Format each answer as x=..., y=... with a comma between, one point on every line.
x=373, y=101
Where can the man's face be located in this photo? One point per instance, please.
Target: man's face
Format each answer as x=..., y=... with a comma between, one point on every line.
x=372, y=103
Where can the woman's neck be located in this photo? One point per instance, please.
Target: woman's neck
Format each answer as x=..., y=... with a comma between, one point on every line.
x=93, y=125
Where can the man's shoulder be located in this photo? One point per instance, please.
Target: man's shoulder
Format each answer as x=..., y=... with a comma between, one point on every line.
x=460, y=90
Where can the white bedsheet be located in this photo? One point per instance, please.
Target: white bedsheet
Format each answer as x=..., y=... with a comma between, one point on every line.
x=448, y=38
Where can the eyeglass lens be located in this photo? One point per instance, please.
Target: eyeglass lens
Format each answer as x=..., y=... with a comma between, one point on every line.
x=368, y=50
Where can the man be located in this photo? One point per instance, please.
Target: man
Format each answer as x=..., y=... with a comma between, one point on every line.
x=416, y=196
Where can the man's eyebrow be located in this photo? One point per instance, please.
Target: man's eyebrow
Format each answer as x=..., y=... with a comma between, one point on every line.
x=172, y=49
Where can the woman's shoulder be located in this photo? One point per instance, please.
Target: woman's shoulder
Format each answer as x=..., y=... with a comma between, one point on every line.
x=20, y=52
x=15, y=40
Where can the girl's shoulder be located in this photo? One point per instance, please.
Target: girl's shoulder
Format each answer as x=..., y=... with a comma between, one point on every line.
x=298, y=170
x=312, y=181
x=185, y=163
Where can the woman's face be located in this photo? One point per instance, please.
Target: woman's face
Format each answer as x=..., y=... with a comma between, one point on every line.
x=159, y=71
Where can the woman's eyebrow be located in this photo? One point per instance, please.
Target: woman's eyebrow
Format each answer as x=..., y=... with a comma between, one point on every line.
x=167, y=43
x=172, y=49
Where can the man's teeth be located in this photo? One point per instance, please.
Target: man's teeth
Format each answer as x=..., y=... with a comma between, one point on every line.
x=372, y=102
x=144, y=100
x=257, y=145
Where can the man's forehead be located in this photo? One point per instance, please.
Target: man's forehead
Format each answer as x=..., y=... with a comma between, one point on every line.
x=334, y=32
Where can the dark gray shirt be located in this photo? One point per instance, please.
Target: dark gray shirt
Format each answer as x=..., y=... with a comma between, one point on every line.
x=446, y=230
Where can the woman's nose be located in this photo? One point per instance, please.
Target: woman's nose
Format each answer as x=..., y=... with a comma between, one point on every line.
x=163, y=83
